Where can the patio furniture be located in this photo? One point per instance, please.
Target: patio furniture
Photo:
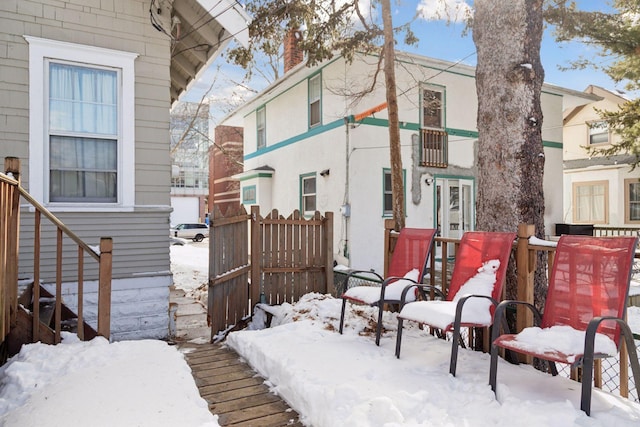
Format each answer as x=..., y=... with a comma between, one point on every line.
x=584, y=312
x=476, y=285
x=408, y=265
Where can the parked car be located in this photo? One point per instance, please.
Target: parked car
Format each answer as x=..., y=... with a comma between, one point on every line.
x=195, y=232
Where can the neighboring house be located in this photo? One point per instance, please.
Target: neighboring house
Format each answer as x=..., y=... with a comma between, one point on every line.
x=597, y=190
x=189, y=162
x=310, y=144
x=86, y=89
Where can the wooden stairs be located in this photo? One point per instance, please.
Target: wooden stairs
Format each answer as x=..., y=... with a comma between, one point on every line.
x=22, y=333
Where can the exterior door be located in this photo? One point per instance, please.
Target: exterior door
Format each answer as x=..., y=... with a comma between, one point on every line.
x=455, y=209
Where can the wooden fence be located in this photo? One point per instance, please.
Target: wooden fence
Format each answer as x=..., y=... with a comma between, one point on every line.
x=288, y=257
x=10, y=193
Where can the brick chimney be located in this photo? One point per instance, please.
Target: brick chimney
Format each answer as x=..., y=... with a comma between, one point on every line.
x=293, y=55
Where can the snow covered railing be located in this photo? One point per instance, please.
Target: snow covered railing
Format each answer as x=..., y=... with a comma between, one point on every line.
x=10, y=194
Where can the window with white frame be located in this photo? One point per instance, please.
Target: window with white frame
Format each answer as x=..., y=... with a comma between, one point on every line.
x=632, y=200
x=598, y=133
x=315, y=95
x=591, y=202
x=82, y=125
x=308, y=193
x=261, y=127
x=82, y=133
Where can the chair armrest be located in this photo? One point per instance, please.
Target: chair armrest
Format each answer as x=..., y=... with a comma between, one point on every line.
x=352, y=273
x=500, y=319
x=421, y=288
x=460, y=305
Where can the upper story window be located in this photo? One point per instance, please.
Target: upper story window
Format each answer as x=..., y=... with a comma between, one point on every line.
x=82, y=125
x=598, y=133
x=308, y=194
x=261, y=127
x=315, y=100
x=591, y=202
x=432, y=107
x=83, y=133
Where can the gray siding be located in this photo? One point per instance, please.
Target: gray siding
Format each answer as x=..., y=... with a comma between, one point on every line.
x=140, y=244
x=140, y=237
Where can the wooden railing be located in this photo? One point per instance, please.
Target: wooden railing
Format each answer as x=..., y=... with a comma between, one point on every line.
x=434, y=148
x=10, y=193
x=616, y=231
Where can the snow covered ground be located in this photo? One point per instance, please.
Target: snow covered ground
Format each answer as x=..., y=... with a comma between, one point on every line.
x=330, y=379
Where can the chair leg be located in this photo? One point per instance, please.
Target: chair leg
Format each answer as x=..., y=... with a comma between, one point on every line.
x=344, y=305
x=399, y=337
x=453, y=363
x=633, y=355
x=587, y=378
x=379, y=325
x=493, y=367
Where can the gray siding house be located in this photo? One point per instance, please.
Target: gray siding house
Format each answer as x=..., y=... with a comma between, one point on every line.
x=85, y=92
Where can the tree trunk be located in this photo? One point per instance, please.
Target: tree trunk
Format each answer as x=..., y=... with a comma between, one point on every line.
x=509, y=78
x=397, y=184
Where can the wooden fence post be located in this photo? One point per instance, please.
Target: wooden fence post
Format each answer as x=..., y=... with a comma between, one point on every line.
x=12, y=167
x=328, y=253
x=104, y=287
x=525, y=268
x=389, y=225
x=255, y=255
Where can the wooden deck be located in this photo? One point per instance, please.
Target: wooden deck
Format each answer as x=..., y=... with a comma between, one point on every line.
x=234, y=391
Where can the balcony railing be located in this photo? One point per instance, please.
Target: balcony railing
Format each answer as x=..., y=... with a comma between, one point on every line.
x=435, y=148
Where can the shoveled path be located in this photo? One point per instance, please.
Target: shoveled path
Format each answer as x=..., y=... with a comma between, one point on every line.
x=233, y=390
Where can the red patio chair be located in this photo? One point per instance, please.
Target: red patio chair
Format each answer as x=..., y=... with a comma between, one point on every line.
x=408, y=264
x=586, y=302
x=477, y=279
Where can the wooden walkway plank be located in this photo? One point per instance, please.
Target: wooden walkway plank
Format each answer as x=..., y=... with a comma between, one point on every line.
x=234, y=391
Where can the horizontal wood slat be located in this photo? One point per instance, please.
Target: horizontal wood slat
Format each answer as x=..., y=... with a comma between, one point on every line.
x=233, y=390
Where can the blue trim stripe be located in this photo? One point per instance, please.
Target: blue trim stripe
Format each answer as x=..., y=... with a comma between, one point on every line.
x=311, y=132
x=371, y=121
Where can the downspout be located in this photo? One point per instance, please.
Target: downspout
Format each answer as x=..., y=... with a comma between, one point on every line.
x=345, y=209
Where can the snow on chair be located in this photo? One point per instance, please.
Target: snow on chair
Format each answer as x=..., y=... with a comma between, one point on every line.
x=476, y=285
x=408, y=265
x=584, y=310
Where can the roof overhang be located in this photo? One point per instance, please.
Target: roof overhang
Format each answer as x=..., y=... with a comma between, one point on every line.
x=259, y=172
x=206, y=27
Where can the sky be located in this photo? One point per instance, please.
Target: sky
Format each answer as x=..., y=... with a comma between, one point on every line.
x=438, y=40
x=330, y=379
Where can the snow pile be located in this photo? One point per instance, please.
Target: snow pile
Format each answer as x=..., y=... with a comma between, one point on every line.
x=129, y=383
x=563, y=339
x=346, y=380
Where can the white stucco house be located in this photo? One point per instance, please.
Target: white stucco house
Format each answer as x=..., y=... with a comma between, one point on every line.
x=311, y=144
x=598, y=190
